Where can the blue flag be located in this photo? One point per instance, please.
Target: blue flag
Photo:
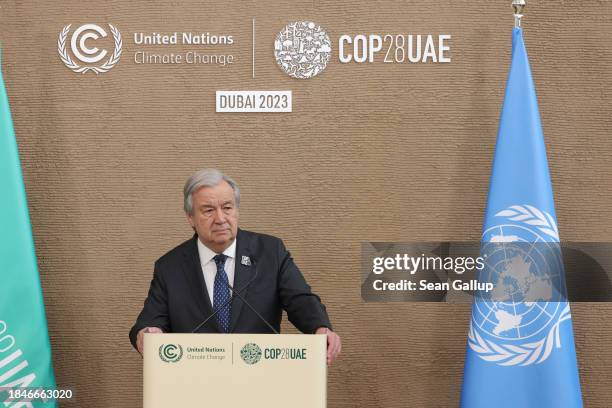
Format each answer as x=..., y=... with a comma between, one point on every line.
x=520, y=353
x=25, y=353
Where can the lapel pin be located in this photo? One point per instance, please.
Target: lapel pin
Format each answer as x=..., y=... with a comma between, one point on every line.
x=246, y=261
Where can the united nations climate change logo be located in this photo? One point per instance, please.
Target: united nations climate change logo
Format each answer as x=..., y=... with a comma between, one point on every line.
x=250, y=353
x=170, y=353
x=518, y=323
x=302, y=49
x=88, y=57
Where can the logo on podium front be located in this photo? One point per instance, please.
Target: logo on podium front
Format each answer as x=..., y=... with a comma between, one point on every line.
x=250, y=353
x=170, y=353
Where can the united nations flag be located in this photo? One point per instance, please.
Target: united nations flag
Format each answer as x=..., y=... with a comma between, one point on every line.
x=520, y=349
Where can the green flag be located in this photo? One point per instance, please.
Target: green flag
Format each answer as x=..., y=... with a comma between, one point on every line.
x=25, y=352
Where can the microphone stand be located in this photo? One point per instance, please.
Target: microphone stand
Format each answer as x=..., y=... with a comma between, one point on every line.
x=239, y=294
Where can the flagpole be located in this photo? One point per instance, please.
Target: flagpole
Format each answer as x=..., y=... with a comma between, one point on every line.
x=518, y=6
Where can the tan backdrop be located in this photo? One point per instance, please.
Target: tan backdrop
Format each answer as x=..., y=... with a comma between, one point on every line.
x=371, y=152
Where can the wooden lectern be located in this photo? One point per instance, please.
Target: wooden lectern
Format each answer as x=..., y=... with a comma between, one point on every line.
x=235, y=370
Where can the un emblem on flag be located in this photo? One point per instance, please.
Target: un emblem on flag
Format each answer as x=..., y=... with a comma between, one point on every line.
x=517, y=323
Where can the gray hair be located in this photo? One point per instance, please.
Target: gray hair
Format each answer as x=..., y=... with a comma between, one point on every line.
x=206, y=178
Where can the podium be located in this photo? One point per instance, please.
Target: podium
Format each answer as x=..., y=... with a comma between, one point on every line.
x=235, y=370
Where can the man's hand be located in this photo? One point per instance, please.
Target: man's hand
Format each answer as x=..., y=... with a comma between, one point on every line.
x=334, y=345
x=140, y=337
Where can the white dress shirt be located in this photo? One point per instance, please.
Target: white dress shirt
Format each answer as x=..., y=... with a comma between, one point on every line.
x=209, y=267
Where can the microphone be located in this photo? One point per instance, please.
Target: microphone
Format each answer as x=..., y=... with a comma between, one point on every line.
x=239, y=294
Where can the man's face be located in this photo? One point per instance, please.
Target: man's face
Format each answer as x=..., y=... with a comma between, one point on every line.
x=215, y=216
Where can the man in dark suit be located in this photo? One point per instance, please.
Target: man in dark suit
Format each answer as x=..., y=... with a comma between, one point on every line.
x=199, y=277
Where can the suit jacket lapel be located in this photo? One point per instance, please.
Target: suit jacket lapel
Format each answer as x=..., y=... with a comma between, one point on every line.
x=195, y=276
x=242, y=276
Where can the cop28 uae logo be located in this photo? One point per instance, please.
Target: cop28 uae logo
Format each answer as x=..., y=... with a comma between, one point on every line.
x=88, y=56
x=302, y=49
x=170, y=353
x=250, y=353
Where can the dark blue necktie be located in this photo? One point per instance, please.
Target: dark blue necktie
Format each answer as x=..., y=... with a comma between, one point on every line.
x=221, y=295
